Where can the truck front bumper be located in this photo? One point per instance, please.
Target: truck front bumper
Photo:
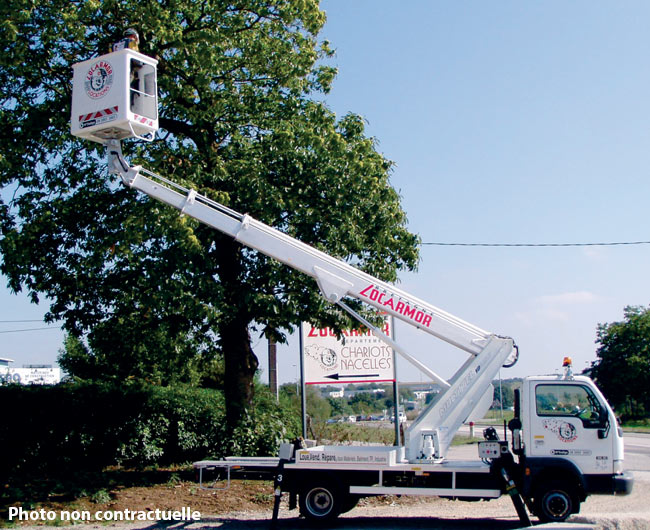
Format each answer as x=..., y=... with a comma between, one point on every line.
x=623, y=483
x=609, y=484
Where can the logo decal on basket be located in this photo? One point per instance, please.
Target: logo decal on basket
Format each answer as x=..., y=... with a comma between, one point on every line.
x=99, y=79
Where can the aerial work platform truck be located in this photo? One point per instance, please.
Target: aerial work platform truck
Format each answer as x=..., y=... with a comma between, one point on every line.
x=565, y=443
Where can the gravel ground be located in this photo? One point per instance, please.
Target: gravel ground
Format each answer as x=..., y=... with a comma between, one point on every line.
x=604, y=512
x=630, y=512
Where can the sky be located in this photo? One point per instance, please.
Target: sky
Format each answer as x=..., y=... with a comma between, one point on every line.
x=508, y=122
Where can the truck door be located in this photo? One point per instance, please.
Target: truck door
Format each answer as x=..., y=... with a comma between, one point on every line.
x=567, y=420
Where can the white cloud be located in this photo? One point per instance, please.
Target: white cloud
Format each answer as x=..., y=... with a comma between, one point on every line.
x=556, y=307
x=564, y=299
x=594, y=253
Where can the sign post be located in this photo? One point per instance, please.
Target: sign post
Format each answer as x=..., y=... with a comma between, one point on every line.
x=303, y=392
x=398, y=438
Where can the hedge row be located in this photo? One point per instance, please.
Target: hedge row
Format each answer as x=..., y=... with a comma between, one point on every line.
x=89, y=426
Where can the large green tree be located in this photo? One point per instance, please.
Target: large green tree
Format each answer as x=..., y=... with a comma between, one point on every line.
x=155, y=295
x=623, y=365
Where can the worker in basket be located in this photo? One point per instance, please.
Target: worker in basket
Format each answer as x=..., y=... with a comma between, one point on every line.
x=131, y=41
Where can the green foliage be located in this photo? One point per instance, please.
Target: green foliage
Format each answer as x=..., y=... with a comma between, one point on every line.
x=262, y=430
x=156, y=296
x=100, y=497
x=507, y=387
x=340, y=407
x=289, y=401
x=88, y=426
x=365, y=403
x=318, y=409
x=406, y=394
x=638, y=425
x=349, y=432
x=497, y=416
x=622, y=369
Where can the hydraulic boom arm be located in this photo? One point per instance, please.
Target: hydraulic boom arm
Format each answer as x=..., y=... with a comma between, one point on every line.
x=337, y=280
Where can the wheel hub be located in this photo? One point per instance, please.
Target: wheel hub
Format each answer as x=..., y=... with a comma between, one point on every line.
x=557, y=504
x=320, y=502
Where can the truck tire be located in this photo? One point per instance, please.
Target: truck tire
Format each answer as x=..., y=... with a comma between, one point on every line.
x=555, y=501
x=321, y=501
x=348, y=503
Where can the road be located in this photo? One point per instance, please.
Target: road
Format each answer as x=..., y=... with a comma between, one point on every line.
x=637, y=444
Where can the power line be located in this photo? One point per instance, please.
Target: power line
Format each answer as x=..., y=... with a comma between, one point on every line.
x=611, y=244
x=29, y=329
x=17, y=321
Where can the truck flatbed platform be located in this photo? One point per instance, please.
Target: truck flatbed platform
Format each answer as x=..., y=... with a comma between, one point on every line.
x=447, y=478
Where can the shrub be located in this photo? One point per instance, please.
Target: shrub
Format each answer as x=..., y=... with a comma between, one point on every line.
x=89, y=426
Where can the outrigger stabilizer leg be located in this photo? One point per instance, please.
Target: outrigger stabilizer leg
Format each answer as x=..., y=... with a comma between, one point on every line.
x=511, y=488
x=286, y=453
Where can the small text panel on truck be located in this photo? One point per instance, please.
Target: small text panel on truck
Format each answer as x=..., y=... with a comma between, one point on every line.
x=565, y=440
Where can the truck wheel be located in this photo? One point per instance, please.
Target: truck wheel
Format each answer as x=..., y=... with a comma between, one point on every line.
x=349, y=502
x=320, y=502
x=555, y=502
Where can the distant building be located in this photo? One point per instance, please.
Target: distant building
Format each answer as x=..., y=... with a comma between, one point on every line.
x=5, y=362
x=351, y=393
x=412, y=405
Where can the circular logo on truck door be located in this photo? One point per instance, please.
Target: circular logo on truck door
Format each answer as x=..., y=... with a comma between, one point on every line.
x=564, y=430
x=567, y=432
x=99, y=79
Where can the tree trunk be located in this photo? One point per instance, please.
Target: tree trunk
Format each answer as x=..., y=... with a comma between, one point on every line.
x=234, y=338
x=240, y=366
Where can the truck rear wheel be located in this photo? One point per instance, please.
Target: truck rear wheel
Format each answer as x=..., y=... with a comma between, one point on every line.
x=321, y=502
x=555, y=502
x=349, y=502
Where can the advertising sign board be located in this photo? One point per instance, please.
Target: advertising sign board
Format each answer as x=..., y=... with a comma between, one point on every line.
x=30, y=376
x=358, y=357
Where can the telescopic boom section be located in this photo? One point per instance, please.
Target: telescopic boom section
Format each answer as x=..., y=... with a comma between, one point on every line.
x=336, y=279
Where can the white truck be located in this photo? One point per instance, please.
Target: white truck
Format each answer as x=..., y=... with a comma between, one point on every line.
x=565, y=442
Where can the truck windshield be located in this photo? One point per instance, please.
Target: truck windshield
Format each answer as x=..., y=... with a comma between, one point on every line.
x=568, y=400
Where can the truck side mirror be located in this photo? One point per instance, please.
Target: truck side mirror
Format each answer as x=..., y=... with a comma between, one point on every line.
x=603, y=428
x=515, y=425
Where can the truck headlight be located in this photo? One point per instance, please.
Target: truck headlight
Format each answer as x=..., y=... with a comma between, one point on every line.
x=618, y=467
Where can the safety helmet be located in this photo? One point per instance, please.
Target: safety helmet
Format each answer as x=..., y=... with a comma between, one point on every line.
x=132, y=34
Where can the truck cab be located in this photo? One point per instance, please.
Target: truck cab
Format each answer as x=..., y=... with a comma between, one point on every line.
x=572, y=445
